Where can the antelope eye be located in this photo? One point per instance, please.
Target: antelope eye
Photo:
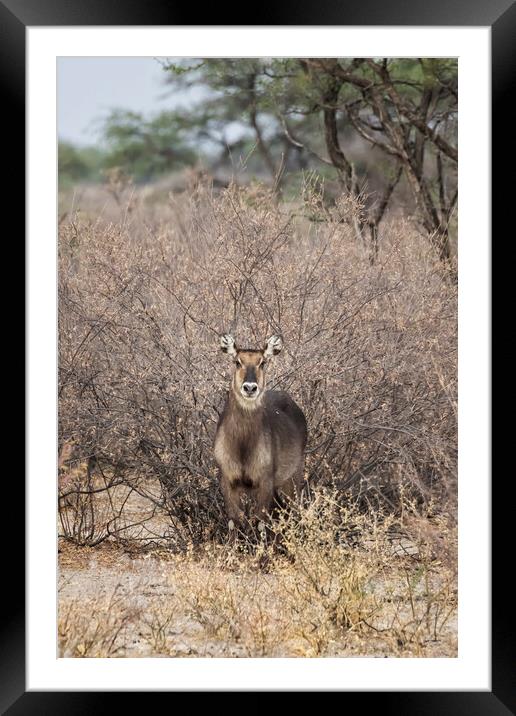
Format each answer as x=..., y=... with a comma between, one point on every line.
x=239, y=362
x=262, y=364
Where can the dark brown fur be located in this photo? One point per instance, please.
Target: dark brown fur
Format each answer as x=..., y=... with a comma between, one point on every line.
x=259, y=444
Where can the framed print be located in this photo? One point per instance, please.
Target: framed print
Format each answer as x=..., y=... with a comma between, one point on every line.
x=300, y=227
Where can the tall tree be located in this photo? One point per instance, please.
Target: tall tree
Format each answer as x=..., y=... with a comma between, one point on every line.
x=146, y=147
x=313, y=111
x=408, y=110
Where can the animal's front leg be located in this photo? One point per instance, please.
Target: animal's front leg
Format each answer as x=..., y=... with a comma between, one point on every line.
x=232, y=500
x=264, y=498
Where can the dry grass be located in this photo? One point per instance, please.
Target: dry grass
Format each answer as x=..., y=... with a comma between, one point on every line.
x=94, y=627
x=342, y=584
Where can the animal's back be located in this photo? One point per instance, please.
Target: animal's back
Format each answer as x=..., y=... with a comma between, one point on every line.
x=285, y=414
x=289, y=433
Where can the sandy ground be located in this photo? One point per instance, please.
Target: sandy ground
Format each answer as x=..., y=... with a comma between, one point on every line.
x=112, y=603
x=140, y=584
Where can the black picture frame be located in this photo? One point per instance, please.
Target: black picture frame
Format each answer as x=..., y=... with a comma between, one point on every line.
x=500, y=16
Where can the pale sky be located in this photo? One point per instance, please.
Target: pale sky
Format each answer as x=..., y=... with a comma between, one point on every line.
x=88, y=87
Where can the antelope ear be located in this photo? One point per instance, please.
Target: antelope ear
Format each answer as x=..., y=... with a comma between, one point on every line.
x=273, y=346
x=228, y=345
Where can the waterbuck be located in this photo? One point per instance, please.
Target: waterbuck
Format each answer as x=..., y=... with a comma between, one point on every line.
x=260, y=438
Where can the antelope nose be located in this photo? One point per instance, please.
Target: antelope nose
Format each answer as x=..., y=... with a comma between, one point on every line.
x=250, y=388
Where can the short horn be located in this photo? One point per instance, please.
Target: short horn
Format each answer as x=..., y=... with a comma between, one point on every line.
x=273, y=346
x=228, y=345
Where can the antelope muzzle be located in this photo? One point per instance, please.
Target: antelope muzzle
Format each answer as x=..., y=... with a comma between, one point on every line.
x=249, y=389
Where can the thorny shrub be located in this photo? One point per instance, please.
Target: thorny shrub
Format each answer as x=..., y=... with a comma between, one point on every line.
x=370, y=355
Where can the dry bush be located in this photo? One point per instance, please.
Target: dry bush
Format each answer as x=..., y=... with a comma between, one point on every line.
x=157, y=625
x=94, y=627
x=95, y=504
x=339, y=586
x=347, y=580
x=370, y=351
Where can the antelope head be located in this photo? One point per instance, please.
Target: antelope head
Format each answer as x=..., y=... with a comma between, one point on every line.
x=248, y=381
